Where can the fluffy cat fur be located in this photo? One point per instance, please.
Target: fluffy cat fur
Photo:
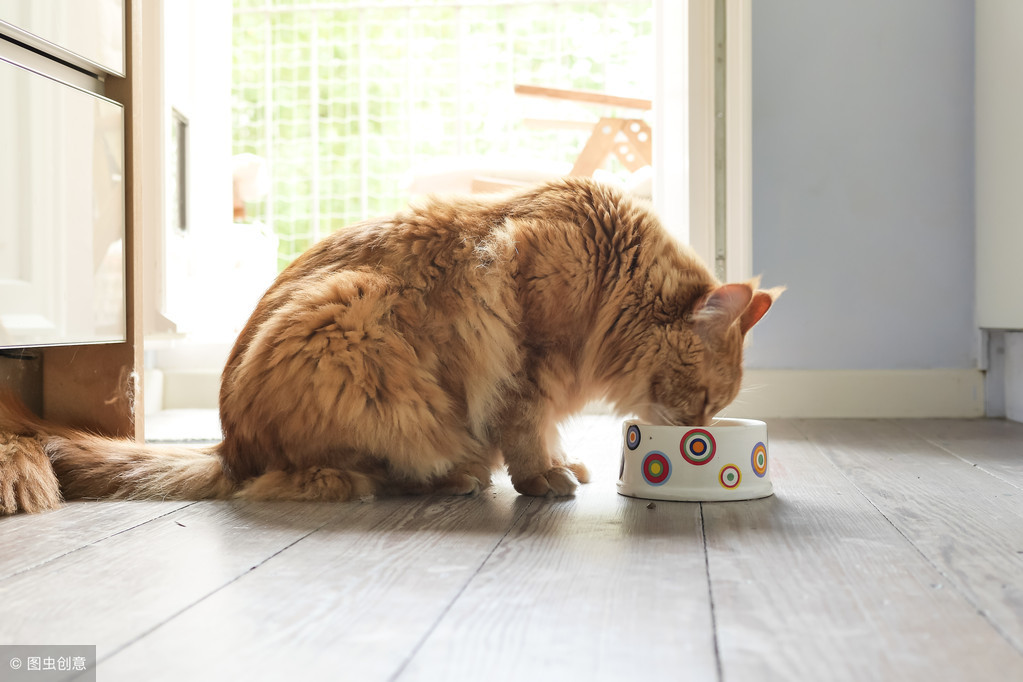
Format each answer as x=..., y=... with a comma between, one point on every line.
x=418, y=352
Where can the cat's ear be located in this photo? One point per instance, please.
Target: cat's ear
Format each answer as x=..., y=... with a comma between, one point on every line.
x=729, y=303
x=758, y=307
x=719, y=309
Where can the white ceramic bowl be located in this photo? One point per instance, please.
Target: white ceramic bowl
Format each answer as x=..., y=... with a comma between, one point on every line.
x=728, y=460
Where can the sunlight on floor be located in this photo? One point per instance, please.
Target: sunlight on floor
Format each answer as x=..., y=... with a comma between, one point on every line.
x=183, y=426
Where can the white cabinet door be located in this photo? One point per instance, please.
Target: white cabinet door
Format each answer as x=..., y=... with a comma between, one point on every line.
x=61, y=213
x=86, y=33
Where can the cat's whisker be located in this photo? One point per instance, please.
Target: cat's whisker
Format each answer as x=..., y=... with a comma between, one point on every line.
x=665, y=416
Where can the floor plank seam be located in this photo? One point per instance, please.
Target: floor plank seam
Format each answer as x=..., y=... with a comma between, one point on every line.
x=946, y=577
x=458, y=595
x=710, y=597
x=179, y=612
x=963, y=459
x=155, y=518
x=57, y=557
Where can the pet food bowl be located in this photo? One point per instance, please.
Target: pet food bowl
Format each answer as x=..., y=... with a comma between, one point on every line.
x=725, y=461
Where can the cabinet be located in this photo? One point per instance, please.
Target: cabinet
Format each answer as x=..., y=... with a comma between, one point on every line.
x=62, y=230
x=69, y=258
x=86, y=33
x=998, y=108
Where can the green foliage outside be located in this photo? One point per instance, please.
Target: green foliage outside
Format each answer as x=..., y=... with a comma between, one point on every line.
x=344, y=98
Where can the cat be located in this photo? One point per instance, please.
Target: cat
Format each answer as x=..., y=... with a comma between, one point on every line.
x=416, y=353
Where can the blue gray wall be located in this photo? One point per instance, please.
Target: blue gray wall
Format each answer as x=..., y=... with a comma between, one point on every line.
x=863, y=183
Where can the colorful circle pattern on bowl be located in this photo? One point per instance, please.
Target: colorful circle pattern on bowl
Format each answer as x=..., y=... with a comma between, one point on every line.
x=698, y=446
x=656, y=468
x=725, y=461
x=758, y=460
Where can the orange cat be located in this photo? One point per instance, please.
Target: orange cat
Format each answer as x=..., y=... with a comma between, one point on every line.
x=417, y=353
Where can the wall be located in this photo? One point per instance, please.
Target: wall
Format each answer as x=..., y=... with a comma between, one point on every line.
x=198, y=85
x=863, y=183
x=188, y=70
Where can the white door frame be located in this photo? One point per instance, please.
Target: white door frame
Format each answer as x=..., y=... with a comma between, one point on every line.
x=686, y=151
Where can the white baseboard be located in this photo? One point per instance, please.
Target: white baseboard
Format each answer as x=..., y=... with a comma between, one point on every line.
x=766, y=393
x=860, y=393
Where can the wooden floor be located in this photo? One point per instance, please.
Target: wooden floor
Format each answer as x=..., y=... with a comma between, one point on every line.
x=891, y=550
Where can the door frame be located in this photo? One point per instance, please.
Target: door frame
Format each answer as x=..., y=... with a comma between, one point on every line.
x=702, y=179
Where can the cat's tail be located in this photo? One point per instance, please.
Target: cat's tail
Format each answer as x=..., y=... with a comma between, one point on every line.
x=90, y=466
x=93, y=466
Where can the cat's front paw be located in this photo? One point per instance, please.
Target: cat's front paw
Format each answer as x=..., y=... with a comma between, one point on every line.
x=555, y=482
x=582, y=474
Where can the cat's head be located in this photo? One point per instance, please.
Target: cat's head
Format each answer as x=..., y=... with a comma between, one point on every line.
x=696, y=367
